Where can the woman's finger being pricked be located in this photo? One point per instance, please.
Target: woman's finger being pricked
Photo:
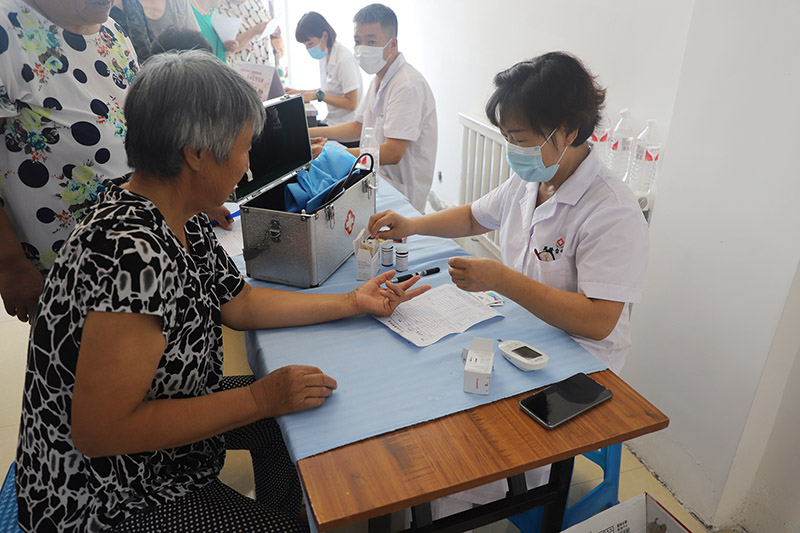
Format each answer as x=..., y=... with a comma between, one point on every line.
x=405, y=285
x=413, y=293
x=380, y=279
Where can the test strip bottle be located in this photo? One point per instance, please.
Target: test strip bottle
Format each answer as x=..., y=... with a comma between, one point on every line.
x=401, y=257
x=387, y=253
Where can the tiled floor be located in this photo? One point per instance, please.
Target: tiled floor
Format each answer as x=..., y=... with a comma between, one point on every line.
x=237, y=473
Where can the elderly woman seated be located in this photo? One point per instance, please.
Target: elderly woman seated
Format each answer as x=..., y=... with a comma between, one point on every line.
x=126, y=414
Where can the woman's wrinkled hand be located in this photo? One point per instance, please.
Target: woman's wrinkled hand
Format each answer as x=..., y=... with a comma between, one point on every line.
x=220, y=215
x=380, y=297
x=291, y=388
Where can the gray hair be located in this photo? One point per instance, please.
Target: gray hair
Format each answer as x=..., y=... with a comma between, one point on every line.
x=378, y=13
x=187, y=99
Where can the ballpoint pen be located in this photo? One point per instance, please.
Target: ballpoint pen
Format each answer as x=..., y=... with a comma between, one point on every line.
x=405, y=277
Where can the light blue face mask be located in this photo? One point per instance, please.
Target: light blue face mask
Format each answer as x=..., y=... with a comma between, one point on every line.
x=526, y=162
x=316, y=52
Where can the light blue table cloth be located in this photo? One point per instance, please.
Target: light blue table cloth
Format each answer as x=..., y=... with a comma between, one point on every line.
x=387, y=383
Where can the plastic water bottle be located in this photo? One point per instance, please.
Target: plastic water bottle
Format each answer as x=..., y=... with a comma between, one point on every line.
x=369, y=144
x=621, y=144
x=641, y=176
x=601, y=140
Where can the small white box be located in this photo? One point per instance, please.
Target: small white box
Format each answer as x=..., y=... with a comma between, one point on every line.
x=368, y=257
x=640, y=514
x=478, y=362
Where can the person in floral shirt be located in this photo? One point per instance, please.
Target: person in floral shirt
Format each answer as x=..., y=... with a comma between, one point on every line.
x=64, y=72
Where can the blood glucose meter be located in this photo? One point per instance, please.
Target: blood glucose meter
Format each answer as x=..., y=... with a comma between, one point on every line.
x=522, y=355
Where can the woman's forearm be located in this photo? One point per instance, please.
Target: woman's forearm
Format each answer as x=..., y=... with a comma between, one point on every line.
x=451, y=223
x=347, y=132
x=263, y=308
x=163, y=424
x=109, y=413
x=569, y=311
x=349, y=101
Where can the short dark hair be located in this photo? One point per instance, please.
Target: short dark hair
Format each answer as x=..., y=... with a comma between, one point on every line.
x=549, y=91
x=312, y=24
x=378, y=13
x=174, y=38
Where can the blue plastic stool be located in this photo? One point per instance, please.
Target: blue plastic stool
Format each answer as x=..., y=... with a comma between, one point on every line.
x=604, y=495
x=8, y=504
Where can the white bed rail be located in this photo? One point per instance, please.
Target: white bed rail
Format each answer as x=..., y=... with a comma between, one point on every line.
x=483, y=166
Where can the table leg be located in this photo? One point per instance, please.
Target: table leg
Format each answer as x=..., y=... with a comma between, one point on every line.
x=517, y=485
x=421, y=515
x=560, y=479
x=380, y=524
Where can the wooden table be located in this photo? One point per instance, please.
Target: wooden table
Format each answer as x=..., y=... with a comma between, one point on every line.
x=408, y=467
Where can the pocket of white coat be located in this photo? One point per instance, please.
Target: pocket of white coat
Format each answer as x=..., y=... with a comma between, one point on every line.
x=554, y=273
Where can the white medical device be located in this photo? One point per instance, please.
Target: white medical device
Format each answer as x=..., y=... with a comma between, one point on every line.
x=523, y=356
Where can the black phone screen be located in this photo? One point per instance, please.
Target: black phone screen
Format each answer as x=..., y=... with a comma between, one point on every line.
x=563, y=400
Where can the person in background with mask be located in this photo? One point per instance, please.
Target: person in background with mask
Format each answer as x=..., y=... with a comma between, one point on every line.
x=573, y=240
x=399, y=104
x=339, y=77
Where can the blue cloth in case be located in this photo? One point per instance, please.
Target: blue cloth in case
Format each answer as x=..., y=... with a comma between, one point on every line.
x=325, y=171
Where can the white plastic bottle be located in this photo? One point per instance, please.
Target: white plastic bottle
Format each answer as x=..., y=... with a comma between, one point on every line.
x=601, y=140
x=621, y=144
x=641, y=176
x=369, y=144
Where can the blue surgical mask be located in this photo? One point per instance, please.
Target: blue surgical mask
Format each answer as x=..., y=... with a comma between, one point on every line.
x=526, y=162
x=316, y=52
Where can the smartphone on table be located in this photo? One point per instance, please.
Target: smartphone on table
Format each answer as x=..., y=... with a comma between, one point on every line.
x=564, y=400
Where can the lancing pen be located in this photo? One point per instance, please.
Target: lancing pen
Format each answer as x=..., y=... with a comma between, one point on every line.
x=405, y=277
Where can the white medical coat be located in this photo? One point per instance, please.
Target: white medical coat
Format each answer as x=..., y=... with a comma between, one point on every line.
x=591, y=238
x=403, y=108
x=339, y=74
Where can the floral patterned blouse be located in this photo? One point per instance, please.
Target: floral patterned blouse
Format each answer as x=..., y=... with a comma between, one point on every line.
x=252, y=12
x=61, y=95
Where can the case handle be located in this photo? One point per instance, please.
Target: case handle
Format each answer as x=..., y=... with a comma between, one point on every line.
x=275, y=231
x=330, y=216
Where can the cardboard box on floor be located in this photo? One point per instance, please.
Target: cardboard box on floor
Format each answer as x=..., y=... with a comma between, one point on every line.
x=640, y=514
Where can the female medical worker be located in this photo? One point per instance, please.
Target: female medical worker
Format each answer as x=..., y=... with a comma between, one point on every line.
x=340, y=78
x=573, y=240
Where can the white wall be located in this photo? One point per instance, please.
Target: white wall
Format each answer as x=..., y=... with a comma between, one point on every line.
x=771, y=502
x=725, y=249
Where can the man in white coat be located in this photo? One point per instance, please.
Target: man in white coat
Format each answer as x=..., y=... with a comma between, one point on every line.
x=399, y=105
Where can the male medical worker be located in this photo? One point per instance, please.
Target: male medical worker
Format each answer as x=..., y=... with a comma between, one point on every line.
x=399, y=104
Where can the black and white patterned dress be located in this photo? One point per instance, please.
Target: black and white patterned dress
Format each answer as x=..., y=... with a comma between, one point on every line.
x=121, y=257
